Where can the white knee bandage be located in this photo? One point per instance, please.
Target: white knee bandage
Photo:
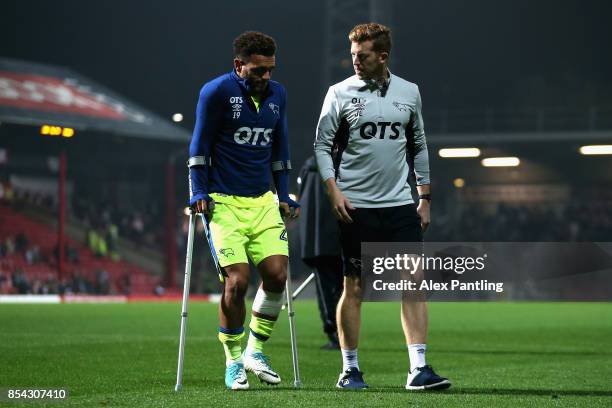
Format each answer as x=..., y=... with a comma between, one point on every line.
x=267, y=303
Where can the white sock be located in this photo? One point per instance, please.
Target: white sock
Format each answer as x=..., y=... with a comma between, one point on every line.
x=349, y=359
x=416, y=353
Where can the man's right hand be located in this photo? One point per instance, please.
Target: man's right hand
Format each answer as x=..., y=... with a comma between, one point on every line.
x=339, y=203
x=204, y=207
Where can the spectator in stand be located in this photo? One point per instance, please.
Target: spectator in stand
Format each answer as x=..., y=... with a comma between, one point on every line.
x=159, y=290
x=65, y=287
x=6, y=285
x=51, y=284
x=112, y=236
x=32, y=255
x=29, y=256
x=20, y=282
x=126, y=284
x=21, y=242
x=9, y=243
x=72, y=254
x=9, y=194
x=97, y=243
x=79, y=284
x=103, y=284
x=36, y=288
x=92, y=240
x=102, y=249
x=137, y=225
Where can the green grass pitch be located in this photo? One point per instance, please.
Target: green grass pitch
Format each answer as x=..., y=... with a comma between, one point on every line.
x=496, y=354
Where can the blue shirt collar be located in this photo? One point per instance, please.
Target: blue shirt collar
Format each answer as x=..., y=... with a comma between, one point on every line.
x=244, y=84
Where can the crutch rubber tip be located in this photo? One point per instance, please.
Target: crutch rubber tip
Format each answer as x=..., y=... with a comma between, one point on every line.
x=297, y=384
x=177, y=387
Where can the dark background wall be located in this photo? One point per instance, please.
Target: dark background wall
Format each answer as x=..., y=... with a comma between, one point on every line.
x=462, y=54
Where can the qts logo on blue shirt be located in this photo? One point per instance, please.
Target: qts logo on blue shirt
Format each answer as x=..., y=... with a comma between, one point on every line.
x=253, y=136
x=236, y=104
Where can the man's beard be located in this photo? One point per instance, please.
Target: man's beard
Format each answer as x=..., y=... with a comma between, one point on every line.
x=259, y=86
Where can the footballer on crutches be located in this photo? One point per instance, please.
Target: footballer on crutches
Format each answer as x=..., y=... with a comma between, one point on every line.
x=239, y=144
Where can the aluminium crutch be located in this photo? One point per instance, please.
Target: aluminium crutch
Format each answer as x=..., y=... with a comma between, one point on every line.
x=297, y=382
x=188, y=261
x=181, y=355
x=300, y=288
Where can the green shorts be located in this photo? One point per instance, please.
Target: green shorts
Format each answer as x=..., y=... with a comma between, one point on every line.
x=246, y=228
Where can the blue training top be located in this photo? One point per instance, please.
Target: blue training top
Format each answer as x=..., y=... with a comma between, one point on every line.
x=234, y=147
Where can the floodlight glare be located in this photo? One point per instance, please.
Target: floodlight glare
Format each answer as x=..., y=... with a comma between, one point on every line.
x=501, y=161
x=459, y=152
x=595, y=149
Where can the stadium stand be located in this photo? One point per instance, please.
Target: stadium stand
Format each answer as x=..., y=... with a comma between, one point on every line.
x=586, y=219
x=86, y=272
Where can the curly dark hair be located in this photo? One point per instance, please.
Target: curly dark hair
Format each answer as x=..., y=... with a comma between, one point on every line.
x=254, y=42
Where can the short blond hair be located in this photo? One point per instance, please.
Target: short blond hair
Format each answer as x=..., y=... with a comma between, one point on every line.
x=378, y=33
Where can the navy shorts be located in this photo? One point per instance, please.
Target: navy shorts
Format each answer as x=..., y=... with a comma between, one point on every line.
x=389, y=224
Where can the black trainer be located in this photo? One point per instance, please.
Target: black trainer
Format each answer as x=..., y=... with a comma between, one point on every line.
x=351, y=379
x=424, y=378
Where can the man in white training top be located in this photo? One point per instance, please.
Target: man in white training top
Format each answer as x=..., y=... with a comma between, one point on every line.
x=368, y=123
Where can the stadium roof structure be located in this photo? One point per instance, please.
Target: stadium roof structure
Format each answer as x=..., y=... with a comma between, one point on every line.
x=38, y=94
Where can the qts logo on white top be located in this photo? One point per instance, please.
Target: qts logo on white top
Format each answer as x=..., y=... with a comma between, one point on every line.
x=370, y=130
x=253, y=136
